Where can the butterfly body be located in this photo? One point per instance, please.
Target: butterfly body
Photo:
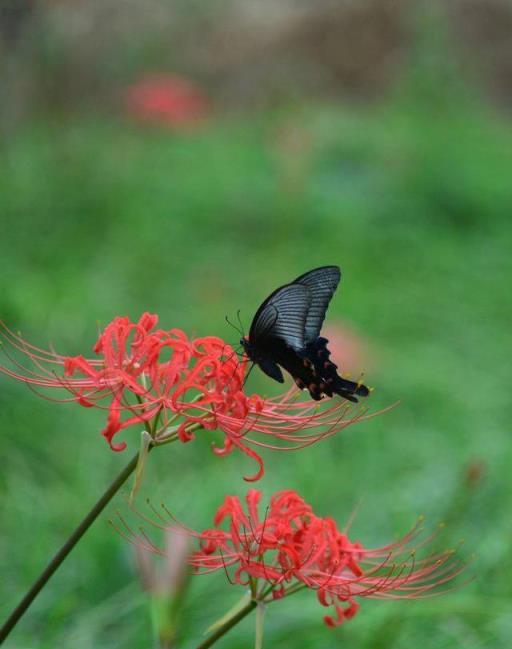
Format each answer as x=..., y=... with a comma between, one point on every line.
x=285, y=333
x=266, y=359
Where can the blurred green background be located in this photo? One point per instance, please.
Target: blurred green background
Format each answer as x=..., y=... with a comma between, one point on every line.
x=373, y=135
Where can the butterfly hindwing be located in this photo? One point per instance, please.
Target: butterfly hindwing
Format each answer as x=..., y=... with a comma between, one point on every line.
x=283, y=316
x=322, y=282
x=271, y=369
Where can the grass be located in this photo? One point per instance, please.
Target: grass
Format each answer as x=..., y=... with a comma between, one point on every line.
x=104, y=218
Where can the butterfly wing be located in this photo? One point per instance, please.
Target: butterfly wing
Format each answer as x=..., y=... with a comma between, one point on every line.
x=271, y=368
x=322, y=283
x=282, y=315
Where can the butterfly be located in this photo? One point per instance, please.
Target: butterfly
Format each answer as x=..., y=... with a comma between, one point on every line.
x=285, y=333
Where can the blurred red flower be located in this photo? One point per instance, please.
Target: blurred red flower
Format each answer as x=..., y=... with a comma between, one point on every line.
x=155, y=377
x=289, y=548
x=348, y=348
x=166, y=100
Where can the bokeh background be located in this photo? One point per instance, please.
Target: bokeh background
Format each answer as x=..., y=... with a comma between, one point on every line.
x=186, y=158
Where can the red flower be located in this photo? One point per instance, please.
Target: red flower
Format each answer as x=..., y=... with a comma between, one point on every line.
x=290, y=548
x=167, y=100
x=150, y=376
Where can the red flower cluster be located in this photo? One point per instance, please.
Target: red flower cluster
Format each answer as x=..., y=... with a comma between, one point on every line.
x=150, y=376
x=291, y=548
x=167, y=100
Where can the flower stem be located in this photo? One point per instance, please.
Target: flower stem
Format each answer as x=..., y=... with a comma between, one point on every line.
x=228, y=625
x=59, y=557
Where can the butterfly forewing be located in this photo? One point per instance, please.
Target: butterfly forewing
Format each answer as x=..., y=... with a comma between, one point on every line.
x=283, y=315
x=322, y=282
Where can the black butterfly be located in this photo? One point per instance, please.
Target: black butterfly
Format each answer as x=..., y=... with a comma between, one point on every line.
x=286, y=332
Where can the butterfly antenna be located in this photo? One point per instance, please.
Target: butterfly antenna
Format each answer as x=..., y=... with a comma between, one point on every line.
x=240, y=322
x=234, y=326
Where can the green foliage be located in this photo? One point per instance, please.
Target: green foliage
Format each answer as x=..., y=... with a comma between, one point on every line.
x=101, y=218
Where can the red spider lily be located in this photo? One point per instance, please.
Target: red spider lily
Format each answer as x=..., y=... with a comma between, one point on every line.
x=290, y=548
x=144, y=375
x=167, y=100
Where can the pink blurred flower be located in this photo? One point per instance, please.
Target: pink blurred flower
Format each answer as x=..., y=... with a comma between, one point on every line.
x=347, y=347
x=166, y=100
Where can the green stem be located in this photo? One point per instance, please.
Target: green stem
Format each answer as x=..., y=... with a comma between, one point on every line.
x=59, y=557
x=228, y=625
